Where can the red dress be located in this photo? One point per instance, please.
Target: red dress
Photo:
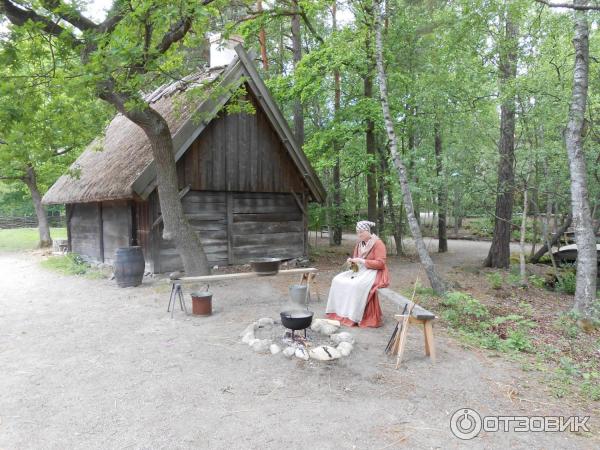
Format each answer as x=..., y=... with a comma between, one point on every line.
x=372, y=316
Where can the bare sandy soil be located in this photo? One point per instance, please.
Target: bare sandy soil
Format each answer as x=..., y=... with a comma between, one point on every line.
x=85, y=364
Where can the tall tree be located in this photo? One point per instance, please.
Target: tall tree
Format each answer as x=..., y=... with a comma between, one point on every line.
x=336, y=237
x=585, y=291
x=442, y=196
x=499, y=253
x=437, y=283
x=369, y=122
x=119, y=57
x=297, y=57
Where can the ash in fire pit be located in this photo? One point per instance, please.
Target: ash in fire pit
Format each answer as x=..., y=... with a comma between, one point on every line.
x=321, y=342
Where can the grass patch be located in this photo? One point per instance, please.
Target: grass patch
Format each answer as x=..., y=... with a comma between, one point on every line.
x=473, y=321
x=21, y=239
x=72, y=264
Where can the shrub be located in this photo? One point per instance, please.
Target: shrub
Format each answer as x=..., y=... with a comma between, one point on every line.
x=537, y=281
x=495, y=280
x=566, y=283
x=518, y=340
x=463, y=311
x=71, y=264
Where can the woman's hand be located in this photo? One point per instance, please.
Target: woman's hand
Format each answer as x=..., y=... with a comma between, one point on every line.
x=356, y=260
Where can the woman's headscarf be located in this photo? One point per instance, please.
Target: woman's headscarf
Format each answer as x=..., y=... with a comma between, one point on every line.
x=364, y=225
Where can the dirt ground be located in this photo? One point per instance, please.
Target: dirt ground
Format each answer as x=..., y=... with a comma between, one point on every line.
x=85, y=364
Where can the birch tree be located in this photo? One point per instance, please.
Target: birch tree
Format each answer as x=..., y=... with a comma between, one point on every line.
x=436, y=281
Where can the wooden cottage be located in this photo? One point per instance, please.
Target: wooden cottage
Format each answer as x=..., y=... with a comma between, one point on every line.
x=244, y=182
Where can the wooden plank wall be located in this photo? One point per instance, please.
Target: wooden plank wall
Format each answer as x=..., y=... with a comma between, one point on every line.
x=85, y=229
x=207, y=214
x=239, y=153
x=266, y=225
x=116, y=227
x=259, y=225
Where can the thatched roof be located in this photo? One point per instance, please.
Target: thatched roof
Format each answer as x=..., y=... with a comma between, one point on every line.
x=109, y=166
x=120, y=164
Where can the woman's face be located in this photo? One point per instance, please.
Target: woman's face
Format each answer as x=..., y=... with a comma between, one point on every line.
x=363, y=235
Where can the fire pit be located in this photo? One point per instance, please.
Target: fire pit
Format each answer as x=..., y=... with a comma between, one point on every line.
x=324, y=343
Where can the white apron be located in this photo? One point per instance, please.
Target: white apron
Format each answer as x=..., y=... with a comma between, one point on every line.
x=349, y=292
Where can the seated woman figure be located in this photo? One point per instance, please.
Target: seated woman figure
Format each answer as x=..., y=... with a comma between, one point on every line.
x=353, y=294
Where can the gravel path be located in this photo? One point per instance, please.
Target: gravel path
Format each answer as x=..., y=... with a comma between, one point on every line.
x=84, y=364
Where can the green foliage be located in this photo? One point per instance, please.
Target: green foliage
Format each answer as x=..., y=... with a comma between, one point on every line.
x=20, y=239
x=71, y=264
x=566, y=282
x=481, y=226
x=495, y=279
x=537, y=281
x=465, y=312
x=475, y=323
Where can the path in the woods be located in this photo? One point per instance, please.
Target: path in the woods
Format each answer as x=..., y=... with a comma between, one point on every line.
x=84, y=364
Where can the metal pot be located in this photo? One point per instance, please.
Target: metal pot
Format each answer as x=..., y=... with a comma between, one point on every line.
x=266, y=266
x=297, y=319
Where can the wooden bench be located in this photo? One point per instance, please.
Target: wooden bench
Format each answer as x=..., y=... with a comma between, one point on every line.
x=419, y=316
x=307, y=274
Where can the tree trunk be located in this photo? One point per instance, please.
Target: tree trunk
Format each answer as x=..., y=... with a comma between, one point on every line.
x=522, y=266
x=381, y=190
x=437, y=283
x=549, y=243
x=337, y=187
x=176, y=226
x=262, y=39
x=585, y=291
x=371, y=152
x=499, y=254
x=442, y=197
x=30, y=180
x=297, y=56
x=387, y=185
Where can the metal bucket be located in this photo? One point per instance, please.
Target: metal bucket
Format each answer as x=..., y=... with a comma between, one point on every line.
x=298, y=293
x=202, y=302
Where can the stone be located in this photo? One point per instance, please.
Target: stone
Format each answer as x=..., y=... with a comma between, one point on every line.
x=261, y=345
x=344, y=336
x=249, y=329
x=325, y=353
x=324, y=326
x=274, y=348
x=301, y=354
x=265, y=322
x=289, y=351
x=248, y=337
x=345, y=348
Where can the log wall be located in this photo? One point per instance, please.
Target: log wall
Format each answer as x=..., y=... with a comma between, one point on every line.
x=237, y=227
x=85, y=230
x=116, y=227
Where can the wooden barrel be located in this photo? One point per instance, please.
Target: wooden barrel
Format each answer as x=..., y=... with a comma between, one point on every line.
x=129, y=266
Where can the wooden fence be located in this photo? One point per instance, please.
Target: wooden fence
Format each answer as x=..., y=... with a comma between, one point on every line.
x=7, y=222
